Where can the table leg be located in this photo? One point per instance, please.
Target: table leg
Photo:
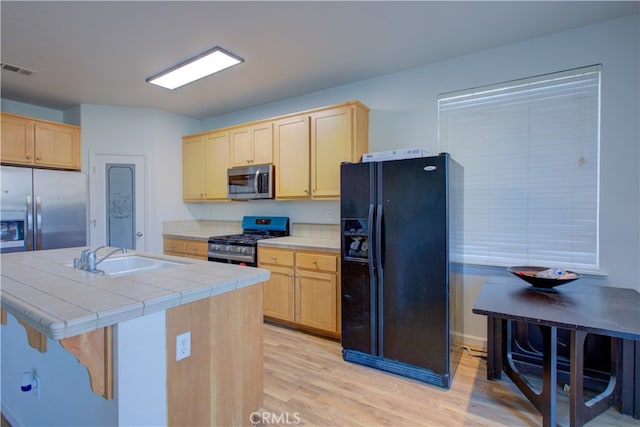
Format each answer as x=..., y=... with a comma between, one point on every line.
x=549, y=375
x=636, y=398
x=581, y=411
x=494, y=348
x=545, y=400
x=627, y=378
x=576, y=399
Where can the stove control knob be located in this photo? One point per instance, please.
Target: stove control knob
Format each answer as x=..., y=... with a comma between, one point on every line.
x=228, y=248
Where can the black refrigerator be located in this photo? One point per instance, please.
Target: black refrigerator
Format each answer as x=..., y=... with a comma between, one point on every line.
x=401, y=266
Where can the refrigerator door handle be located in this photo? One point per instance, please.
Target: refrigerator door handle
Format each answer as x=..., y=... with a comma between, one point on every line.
x=379, y=239
x=373, y=297
x=380, y=290
x=372, y=268
x=38, y=224
x=29, y=230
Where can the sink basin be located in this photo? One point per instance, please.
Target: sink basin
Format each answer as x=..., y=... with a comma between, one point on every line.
x=132, y=264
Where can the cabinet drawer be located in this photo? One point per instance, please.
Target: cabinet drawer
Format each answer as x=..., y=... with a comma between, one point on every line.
x=275, y=257
x=195, y=249
x=318, y=262
x=174, y=246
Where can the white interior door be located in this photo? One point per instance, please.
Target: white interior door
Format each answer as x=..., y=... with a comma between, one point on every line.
x=105, y=206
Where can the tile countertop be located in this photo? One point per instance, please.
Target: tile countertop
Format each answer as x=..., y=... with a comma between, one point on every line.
x=315, y=237
x=60, y=301
x=191, y=235
x=303, y=243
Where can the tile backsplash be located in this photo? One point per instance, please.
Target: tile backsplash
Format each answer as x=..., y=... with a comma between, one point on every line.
x=318, y=231
x=214, y=227
x=211, y=227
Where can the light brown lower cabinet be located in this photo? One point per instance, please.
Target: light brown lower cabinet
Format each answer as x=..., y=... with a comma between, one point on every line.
x=186, y=248
x=303, y=290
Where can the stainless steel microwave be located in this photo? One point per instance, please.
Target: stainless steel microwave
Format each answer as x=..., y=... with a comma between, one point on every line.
x=251, y=182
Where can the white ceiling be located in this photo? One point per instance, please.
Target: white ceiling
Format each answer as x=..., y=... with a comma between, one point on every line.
x=102, y=52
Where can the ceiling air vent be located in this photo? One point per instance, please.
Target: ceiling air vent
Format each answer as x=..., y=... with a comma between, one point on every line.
x=16, y=69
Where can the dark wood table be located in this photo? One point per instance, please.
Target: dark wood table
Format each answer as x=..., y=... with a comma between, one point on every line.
x=582, y=309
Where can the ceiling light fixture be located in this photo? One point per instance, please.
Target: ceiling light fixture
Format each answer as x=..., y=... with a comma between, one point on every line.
x=203, y=65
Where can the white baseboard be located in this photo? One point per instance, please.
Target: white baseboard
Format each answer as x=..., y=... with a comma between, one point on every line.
x=474, y=342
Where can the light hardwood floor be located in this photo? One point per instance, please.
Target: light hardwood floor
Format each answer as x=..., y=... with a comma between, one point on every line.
x=306, y=382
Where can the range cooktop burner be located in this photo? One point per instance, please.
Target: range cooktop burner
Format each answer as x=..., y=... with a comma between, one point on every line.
x=241, y=239
x=241, y=248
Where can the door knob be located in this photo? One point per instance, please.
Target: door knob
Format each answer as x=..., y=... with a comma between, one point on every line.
x=139, y=234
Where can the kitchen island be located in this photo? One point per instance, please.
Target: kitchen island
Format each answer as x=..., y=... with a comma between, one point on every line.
x=120, y=336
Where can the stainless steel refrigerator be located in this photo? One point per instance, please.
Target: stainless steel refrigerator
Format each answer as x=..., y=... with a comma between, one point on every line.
x=42, y=209
x=401, y=281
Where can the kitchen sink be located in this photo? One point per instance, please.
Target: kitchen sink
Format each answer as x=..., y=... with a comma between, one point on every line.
x=132, y=264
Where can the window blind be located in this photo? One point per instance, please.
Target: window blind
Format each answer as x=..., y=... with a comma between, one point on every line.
x=530, y=151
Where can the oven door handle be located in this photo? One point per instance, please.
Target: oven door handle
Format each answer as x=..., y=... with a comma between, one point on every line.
x=255, y=182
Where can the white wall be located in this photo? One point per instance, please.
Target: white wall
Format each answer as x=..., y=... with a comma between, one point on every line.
x=23, y=109
x=155, y=134
x=404, y=114
x=66, y=398
x=65, y=389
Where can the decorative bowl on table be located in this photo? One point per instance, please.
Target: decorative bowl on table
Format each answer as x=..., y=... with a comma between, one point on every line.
x=543, y=277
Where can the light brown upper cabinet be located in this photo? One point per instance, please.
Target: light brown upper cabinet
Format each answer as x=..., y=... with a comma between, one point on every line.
x=251, y=145
x=204, y=166
x=306, y=148
x=39, y=143
x=309, y=148
x=291, y=157
x=338, y=135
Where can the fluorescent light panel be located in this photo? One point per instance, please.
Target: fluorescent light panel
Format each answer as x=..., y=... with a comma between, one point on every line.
x=203, y=65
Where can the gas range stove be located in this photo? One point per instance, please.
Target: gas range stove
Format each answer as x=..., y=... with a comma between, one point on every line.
x=242, y=248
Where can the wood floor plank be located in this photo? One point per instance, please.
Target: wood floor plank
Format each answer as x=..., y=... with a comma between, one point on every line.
x=307, y=383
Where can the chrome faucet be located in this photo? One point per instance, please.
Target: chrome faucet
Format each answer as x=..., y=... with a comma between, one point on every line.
x=87, y=260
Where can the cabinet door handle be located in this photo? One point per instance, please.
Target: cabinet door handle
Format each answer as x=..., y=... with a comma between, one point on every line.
x=313, y=261
x=29, y=156
x=38, y=158
x=274, y=257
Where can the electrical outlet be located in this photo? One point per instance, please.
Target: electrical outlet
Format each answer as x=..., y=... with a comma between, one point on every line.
x=329, y=214
x=183, y=345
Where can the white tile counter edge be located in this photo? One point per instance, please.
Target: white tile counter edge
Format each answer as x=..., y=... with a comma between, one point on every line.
x=61, y=302
x=302, y=243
